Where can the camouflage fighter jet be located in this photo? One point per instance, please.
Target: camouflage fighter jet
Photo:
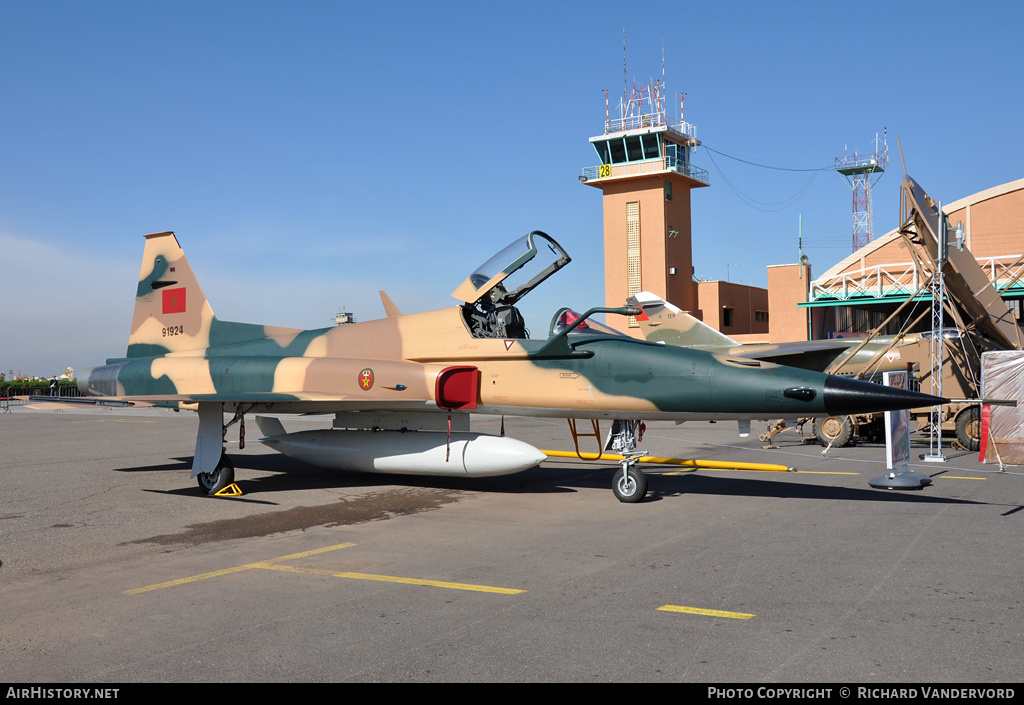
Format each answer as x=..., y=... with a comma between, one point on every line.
x=401, y=388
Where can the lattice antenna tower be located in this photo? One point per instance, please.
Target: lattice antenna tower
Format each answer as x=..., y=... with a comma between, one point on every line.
x=862, y=171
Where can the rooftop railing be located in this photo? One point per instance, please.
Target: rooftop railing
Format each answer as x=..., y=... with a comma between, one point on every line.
x=903, y=278
x=645, y=166
x=646, y=120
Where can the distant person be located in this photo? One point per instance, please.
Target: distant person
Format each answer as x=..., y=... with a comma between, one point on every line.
x=53, y=387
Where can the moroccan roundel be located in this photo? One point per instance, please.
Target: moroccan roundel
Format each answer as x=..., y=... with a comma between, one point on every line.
x=365, y=378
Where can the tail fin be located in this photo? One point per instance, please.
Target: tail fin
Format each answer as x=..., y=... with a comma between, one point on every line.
x=171, y=312
x=664, y=322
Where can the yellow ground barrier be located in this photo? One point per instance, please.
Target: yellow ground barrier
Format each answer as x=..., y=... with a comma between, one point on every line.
x=685, y=462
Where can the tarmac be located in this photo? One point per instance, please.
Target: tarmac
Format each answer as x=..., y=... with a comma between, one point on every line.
x=116, y=569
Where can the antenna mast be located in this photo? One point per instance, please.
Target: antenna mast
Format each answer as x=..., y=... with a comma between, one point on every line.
x=625, y=78
x=862, y=171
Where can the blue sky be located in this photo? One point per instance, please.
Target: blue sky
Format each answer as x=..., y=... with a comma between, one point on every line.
x=308, y=154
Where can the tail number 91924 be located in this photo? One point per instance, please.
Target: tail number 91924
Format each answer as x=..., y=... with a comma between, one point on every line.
x=174, y=330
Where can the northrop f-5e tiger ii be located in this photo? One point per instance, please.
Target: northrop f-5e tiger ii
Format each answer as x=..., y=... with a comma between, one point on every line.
x=402, y=388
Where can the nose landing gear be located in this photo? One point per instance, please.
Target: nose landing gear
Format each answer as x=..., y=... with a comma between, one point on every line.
x=630, y=484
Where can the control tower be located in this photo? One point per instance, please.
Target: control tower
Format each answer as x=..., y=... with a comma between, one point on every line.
x=645, y=174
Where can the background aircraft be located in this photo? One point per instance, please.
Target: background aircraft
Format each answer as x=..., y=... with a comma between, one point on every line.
x=663, y=322
x=865, y=358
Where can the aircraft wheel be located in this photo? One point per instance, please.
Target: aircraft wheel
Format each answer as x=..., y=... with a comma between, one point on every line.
x=968, y=428
x=214, y=482
x=632, y=488
x=837, y=430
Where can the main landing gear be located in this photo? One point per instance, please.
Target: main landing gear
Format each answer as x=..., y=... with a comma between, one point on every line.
x=630, y=483
x=211, y=466
x=214, y=482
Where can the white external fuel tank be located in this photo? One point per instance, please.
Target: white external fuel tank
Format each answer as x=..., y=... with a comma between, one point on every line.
x=409, y=453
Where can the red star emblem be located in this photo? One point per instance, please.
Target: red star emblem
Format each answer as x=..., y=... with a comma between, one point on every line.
x=174, y=300
x=366, y=378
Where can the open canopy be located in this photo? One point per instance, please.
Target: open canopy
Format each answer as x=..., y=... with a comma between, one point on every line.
x=494, y=277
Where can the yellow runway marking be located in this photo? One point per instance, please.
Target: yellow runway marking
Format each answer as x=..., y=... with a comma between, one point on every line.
x=237, y=569
x=958, y=477
x=313, y=552
x=192, y=579
x=706, y=613
x=115, y=421
x=275, y=564
x=395, y=579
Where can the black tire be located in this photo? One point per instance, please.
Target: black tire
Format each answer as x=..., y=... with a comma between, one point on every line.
x=837, y=430
x=632, y=488
x=874, y=431
x=968, y=428
x=213, y=482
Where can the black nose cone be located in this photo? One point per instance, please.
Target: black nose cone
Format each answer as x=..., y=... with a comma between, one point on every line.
x=844, y=395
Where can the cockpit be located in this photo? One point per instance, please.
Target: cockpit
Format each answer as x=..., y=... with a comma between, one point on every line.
x=492, y=290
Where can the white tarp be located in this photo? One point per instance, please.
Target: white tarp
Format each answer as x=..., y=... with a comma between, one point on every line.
x=1002, y=427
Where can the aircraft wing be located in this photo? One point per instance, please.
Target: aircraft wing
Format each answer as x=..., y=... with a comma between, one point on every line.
x=343, y=382
x=353, y=400
x=58, y=403
x=295, y=402
x=812, y=355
